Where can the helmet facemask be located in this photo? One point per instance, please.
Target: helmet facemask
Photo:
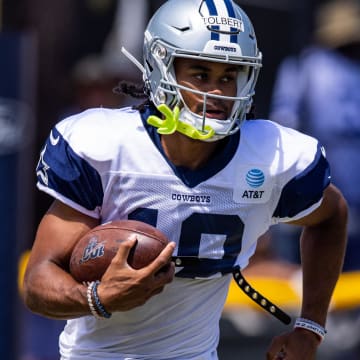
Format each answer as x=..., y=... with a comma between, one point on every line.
x=168, y=91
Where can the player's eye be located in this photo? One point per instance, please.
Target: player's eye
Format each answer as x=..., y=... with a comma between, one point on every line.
x=228, y=78
x=201, y=76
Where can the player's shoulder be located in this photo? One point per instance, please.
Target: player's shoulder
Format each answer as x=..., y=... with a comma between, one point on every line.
x=278, y=143
x=95, y=120
x=269, y=132
x=97, y=130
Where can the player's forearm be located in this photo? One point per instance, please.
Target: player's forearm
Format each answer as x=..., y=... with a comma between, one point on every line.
x=48, y=291
x=322, y=252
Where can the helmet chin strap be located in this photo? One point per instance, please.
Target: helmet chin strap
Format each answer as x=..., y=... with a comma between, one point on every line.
x=133, y=60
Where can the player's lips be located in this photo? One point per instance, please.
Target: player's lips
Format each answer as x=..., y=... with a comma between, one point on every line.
x=214, y=112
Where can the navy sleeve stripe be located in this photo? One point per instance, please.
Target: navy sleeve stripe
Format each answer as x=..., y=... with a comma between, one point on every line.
x=65, y=172
x=304, y=190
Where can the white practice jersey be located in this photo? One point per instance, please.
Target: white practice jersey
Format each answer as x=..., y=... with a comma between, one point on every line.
x=110, y=165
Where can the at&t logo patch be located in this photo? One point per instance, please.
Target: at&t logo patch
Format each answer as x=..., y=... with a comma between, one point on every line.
x=255, y=178
x=253, y=184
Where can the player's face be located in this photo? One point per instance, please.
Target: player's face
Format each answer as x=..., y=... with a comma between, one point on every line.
x=209, y=77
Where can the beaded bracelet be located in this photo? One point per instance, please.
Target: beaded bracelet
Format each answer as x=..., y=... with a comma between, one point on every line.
x=90, y=301
x=311, y=326
x=99, y=306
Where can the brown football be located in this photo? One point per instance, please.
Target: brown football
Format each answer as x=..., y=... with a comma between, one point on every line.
x=93, y=253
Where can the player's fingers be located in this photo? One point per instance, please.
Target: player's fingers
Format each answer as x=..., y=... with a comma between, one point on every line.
x=124, y=250
x=157, y=291
x=162, y=278
x=277, y=350
x=280, y=355
x=165, y=275
x=273, y=349
x=163, y=259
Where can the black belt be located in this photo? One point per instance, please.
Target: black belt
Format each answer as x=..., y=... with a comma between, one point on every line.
x=263, y=302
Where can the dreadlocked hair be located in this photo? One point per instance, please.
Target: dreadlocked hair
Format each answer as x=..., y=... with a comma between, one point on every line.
x=136, y=91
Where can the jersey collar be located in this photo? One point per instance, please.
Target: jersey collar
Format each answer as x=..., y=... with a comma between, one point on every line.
x=192, y=178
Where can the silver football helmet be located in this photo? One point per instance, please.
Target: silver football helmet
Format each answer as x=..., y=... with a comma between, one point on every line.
x=211, y=30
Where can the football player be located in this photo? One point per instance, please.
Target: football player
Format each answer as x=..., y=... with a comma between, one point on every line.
x=189, y=162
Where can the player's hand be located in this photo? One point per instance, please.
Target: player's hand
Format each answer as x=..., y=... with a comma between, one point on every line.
x=298, y=344
x=123, y=288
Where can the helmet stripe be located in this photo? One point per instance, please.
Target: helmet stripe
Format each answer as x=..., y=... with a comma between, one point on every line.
x=218, y=8
x=229, y=8
x=213, y=12
x=231, y=12
x=212, y=8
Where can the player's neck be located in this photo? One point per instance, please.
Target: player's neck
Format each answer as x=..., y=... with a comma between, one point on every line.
x=184, y=151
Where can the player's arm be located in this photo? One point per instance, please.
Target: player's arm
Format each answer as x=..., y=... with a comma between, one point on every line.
x=323, y=243
x=51, y=291
x=48, y=287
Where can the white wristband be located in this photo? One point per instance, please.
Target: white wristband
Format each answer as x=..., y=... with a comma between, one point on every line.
x=311, y=326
